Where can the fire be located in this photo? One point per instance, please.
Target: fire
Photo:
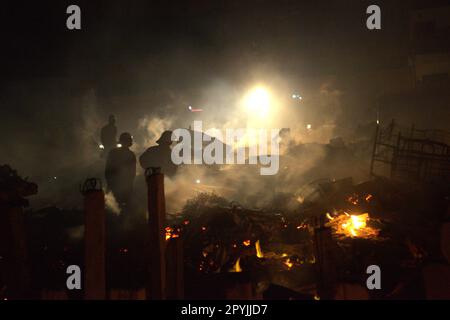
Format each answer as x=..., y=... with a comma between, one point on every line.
x=246, y=243
x=170, y=234
x=169, y=231
x=288, y=263
x=259, y=252
x=353, y=200
x=353, y=226
x=237, y=266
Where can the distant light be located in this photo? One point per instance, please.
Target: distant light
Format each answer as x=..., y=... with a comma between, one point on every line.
x=308, y=126
x=54, y=178
x=197, y=181
x=101, y=146
x=258, y=102
x=378, y=121
x=194, y=109
x=297, y=96
x=119, y=145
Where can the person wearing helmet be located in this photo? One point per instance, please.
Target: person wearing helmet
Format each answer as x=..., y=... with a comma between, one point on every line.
x=108, y=135
x=160, y=155
x=120, y=170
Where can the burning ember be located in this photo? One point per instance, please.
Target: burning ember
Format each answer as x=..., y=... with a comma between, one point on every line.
x=259, y=252
x=353, y=226
x=170, y=233
x=237, y=266
x=288, y=263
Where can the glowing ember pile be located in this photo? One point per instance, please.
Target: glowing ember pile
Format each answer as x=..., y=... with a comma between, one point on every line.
x=171, y=233
x=352, y=226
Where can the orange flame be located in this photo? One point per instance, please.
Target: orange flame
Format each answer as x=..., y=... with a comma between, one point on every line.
x=259, y=252
x=237, y=266
x=288, y=263
x=353, y=226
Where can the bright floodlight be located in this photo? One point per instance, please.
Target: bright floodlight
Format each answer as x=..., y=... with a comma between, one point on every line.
x=258, y=101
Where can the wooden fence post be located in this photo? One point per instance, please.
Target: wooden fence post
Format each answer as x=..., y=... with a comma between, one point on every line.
x=156, y=225
x=94, y=240
x=175, y=269
x=326, y=272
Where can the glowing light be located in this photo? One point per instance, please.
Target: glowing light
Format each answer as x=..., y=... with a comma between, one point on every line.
x=101, y=146
x=258, y=102
x=308, y=126
x=194, y=109
x=237, y=266
x=246, y=243
x=259, y=252
x=288, y=263
x=197, y=181
x=169, y=231
x=119, y=145
x=353, y=226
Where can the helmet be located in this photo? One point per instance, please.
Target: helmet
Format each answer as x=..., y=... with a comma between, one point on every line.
x=166, y=138
x=126, y=139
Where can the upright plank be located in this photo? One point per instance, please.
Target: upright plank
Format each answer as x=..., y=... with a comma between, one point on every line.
x=326, y=272
x=156, y=244
x=175, y=269
x=94, y=235
x=13, y=249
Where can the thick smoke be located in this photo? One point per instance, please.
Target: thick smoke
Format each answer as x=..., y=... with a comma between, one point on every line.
x=61, y=149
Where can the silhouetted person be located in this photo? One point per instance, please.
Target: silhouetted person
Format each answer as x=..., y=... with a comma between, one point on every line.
x=108, y=134
x=159, y=156
x=121, y=169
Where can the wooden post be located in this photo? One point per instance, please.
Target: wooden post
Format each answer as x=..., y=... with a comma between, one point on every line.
x=175, y=269
x=374, y=150
x=94, y=241
x=326, y=270
x=156, y=224
x=13, y=250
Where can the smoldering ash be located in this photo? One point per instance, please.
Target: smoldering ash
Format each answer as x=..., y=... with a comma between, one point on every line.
x=233, y=146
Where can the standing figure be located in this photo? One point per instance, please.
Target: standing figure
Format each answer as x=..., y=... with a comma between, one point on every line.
x=120, y=170
x=108, y=135
x=160, y=156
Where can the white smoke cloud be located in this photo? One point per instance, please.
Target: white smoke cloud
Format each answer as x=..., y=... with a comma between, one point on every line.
x=111, y=203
